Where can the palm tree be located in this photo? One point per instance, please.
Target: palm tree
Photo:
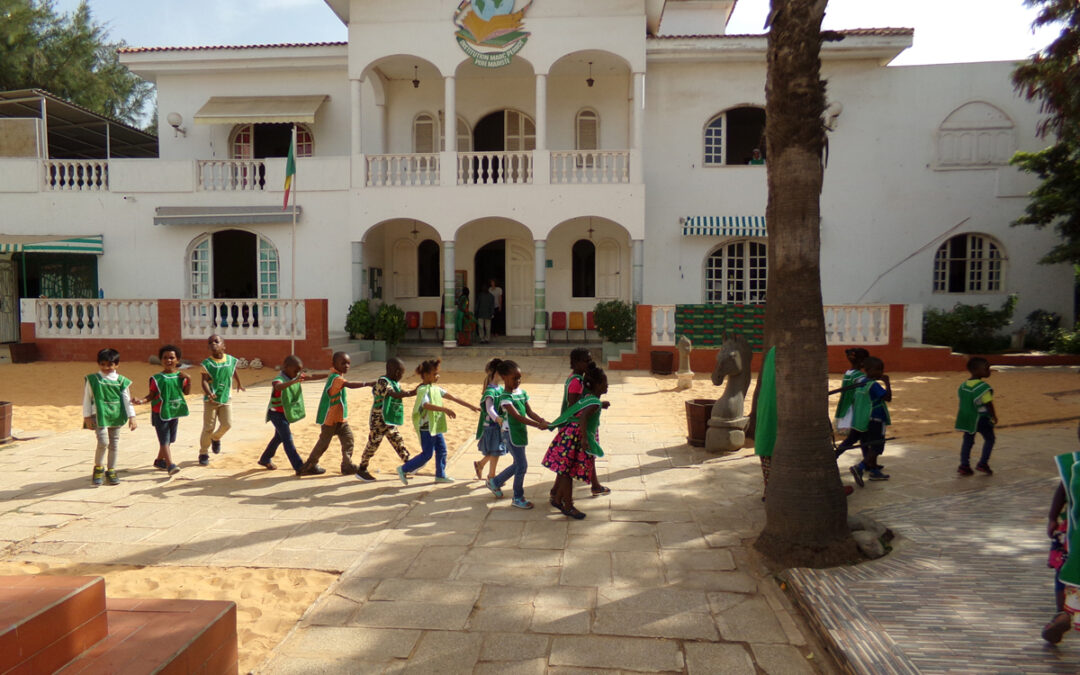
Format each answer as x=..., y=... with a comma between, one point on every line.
x=806, y=511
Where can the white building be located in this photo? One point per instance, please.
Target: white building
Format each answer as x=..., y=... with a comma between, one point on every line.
x=610, y=157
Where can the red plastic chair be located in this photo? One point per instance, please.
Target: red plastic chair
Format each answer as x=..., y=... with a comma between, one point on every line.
x=558, y=322
x=590, y=324
x=412, y=321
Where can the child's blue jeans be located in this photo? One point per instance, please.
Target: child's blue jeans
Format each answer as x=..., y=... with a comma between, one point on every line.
x=282, y=436
x=517, y=469
x=429, y=444
x=986, y=428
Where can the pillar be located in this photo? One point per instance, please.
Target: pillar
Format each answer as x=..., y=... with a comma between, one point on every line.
x=637, y=138
x=449, y=336
x=540, y=295
x=357, y=116
x=450, y=116
x=359, y=274
x=541, y=112
x=637, y=272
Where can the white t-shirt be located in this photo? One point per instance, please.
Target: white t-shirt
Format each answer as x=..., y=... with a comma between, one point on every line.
x=497, y=293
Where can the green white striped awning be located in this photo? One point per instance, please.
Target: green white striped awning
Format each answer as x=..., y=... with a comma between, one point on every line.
x=723, y=226
x=31, y=243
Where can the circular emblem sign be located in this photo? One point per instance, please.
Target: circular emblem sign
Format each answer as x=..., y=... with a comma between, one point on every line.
x=491, y=31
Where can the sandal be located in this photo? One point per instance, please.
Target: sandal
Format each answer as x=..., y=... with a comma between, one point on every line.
x=604, y=490
x=1056, y=629
x=572, y=512
x=479, y=469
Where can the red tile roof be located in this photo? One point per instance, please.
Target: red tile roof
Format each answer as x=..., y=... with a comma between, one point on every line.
x=854, y=32
x=142, y=50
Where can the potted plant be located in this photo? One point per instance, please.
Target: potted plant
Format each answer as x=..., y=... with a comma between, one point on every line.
x=359, y=322
x=468, y=326
x=389, y=327
x=615, y=321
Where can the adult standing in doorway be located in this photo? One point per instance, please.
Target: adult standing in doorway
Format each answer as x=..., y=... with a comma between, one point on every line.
x=485, y=311
x=498, y=324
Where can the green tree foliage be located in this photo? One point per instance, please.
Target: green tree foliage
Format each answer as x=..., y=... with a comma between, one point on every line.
x=1052, y=77
x=68, y=55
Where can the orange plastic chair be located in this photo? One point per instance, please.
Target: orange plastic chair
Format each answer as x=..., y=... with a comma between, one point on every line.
x=558, y=322
x=412, y=321
x=429, y=321
x=576, y=322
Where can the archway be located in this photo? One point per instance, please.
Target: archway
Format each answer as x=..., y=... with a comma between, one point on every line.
x=235, y=264
x=490, y=263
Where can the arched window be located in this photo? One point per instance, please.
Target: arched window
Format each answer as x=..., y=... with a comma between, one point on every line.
x=464, y=134
x=587, y=130
x=583, y=269
x=969, y=263
x=258, y=141
x=423, y=134
x=249, y=266
x=427, y=269
x=736, y=274
x=975, y=135
x=732, y=137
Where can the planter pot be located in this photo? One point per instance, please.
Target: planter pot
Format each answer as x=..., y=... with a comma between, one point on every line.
x=464, y=339
x=5, y=421
x=378, y=348
x=698, y=412
x=613, y=351
x=23, y=352
x=661, y=362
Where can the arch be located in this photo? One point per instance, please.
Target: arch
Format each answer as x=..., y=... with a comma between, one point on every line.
x=583, y=269
x=970, y=263
x=463, y=130
x=977, y=134
x=428, y=267
x=256, y=277
x=731, y=136
x=515, y=257
x=736, y=273
x=399, y=66
x=611, y=259
x=605, y=63
x=261, y=140
x=518, y=131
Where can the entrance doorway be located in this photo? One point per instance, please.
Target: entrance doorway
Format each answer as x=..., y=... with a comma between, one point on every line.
x=236, y=258
x=9, y=300
x=490, y=263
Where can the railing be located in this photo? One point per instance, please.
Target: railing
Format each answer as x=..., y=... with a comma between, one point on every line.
x=857, y=324
x=590, y=166
x=249, y=318
x=663, y=325
x=494, y=168
x=91, y=318
x=76, y=175
x=231, y=175
x=407, y=170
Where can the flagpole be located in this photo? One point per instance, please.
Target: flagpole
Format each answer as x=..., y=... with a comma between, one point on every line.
x=292, y=264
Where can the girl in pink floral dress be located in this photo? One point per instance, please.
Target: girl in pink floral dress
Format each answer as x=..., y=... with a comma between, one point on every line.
x=577, y=440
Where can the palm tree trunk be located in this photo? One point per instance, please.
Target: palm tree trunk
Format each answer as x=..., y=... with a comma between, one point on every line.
x=806, y=511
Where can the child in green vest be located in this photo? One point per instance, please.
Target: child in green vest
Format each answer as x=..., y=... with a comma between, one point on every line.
x=286, y=406
x=578, y=440
x=168, y=405
x=517, y=414
x=217, y=380
x=387, y=414
x=489, y=426
x=573, y=389
x=869, y=417
x=976, y=415
x=107, y=406
x=333, y=415
x=429, y=417
x=852, y=377
x=1066, y=566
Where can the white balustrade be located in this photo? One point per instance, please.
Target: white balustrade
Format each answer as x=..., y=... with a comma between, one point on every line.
x=590, y=166
x=231, y=175
x=402, y=170
x=76, y=175
x=857, y=324
x=92, y=318
x=663, y=325
x=494, y=168
x=250, y=319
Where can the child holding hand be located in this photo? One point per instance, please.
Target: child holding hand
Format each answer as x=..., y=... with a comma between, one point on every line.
x=286, y=406
x=514, y=403
x=387, y=414
x=869, y=417
x=578, y=440
x=489, y=426
x=333, y=415
x=107, y=406
x=429, y=417
x=167, y=404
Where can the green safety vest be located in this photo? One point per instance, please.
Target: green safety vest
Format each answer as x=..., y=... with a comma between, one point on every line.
x=221, y=376
x=566, y=390
x=108, y=399
x=327, y=401
x=519, y=433
x=393, y=409
x=848, y=395
x=171, y=391
x=290, y=399
x=1068, y=466
x=492, y=393
x=436, y=419
x=967, y=416
x=863, y=407
x=592, y=423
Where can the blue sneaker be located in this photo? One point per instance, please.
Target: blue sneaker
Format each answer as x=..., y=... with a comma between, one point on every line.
x=401, y=475
x=490, y=482
x=521, y=503
x=204, y=460
x=856, y=473
x=160, y=464
x=878, y=474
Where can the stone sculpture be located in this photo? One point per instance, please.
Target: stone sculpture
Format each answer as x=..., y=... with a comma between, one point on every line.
x=684, y=374
x=727, y=425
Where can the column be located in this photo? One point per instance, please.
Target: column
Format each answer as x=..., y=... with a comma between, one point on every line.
x=541, y=111
x=637, y=138
x=637, y=272
x=357, y=116
x=449, y=337
x=359, y=274
x=448, y=159
x=540, y=295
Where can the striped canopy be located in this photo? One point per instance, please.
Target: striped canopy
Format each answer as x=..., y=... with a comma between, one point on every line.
x=724, y=226
x=31, y=243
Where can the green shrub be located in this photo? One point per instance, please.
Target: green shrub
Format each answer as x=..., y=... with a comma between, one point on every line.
x=1042, y=327
x=359, y=323
x=1066, y=341
x=969, y=329
x=615, y=320
x=390, y=324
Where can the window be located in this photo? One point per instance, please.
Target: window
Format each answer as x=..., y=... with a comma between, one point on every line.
x=587, y=130
x=732, y=137
x=268, y=269
x=520, y=132
x=464, y=135
x=258, y=141
x=736, y=274
x=427, y=269
x=424, y=134
x=254, y=267
x=975, y=135
x=969, y=263
x=200, y=270
x=583, y=269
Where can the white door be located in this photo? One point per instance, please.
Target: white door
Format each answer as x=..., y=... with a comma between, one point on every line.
x=9, y=326
x=607, y=270
x=520, y=281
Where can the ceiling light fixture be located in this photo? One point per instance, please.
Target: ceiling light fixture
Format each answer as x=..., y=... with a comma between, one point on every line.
x=589, y=80
x=415, y=77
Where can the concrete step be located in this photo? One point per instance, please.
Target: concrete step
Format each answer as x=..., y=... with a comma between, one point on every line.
x=502, y=348
x=47, y=621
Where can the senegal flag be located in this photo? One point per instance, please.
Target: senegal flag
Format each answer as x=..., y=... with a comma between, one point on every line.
x=290, y=168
